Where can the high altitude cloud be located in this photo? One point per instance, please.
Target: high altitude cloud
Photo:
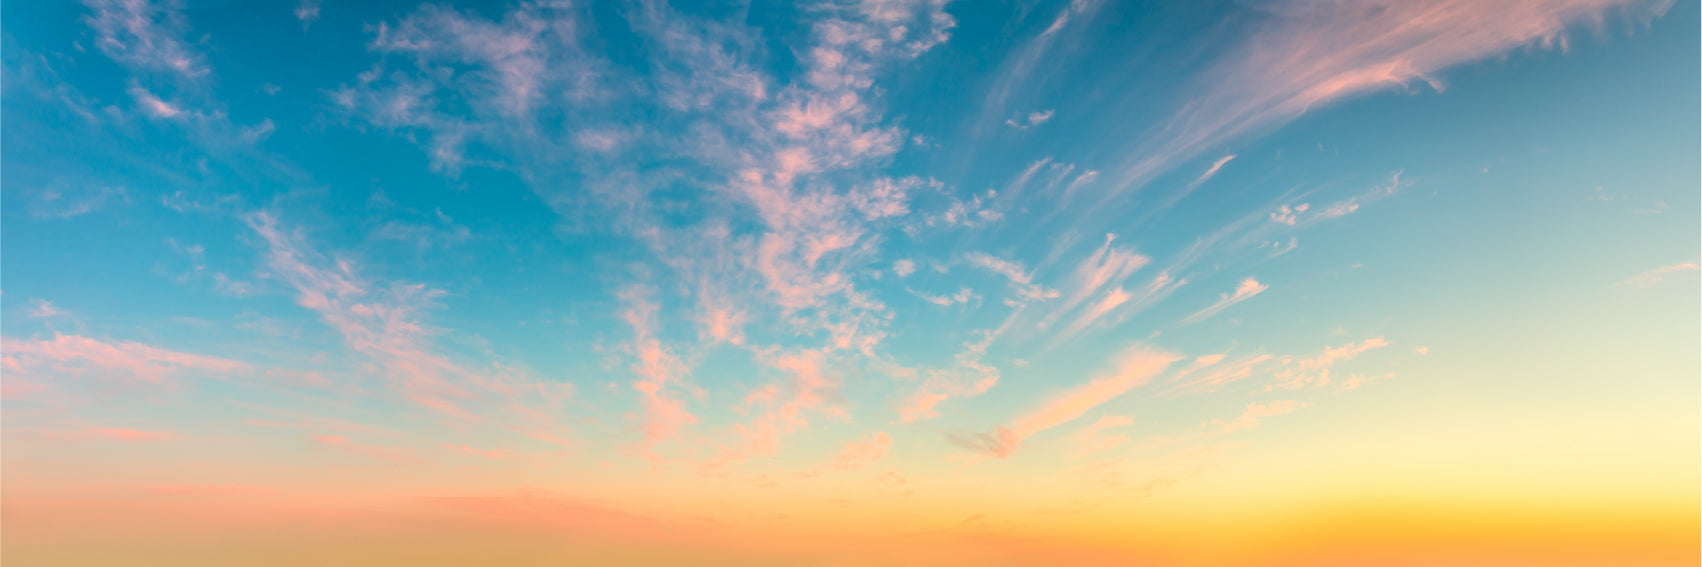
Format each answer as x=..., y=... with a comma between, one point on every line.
x=1133, y=368
x=147, y=35
x=1256, y=411
x=385, y=324
x=1310, y=53
x=657, y=369
x=1657, y=275
x=1245, y=290
x=72, y=355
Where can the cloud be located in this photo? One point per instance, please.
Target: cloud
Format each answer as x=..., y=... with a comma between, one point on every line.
x=1134, y=367
x=968, y=376
x=465, y=450
x=657, y=369
x=963, y=295
x=145, y=35
x=58, y=204
x=1092, y=438
x=1215, y=374
x=1014, y=271
x=1106, y=269
x=785, y=405
x=1210, y=172
x=1246, y=289
x=258, y=132
x=307, y=11
x=1660, y=274
x=1308, y=54
x=152, y=104
x=384, y=323
x=1033, y=119
x=115, y=434
x=387, y=454
x=1250, y=417
x=44, y=309
x=856, y=454
x=1315, y=370
x=71, y=355
x=903, y=268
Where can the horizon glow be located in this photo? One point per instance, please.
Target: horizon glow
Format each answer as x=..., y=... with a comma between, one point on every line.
x=861, y=282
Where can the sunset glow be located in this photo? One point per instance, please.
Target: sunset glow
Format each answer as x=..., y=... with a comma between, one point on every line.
x=851, y=282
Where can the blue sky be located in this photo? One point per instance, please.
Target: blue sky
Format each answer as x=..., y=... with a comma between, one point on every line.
x=727, y=239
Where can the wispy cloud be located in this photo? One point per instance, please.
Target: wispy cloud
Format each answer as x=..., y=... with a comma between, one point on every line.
x=1660, y=274
x=44, y=309
x=1021, y=280
x=856, y=454
x=963, y=295
x=1255, y=411
x=1245, y=290
x=147, y=35
x=388, y=454
x=307, y=11
x=657, y=370
x=968, y=376
x=1210, y=172
x=1092, y=438
x=1132, y=368
x=1309, y=54
x=1031, y=120
x=385, y=325
x=1315, y=370
x=115, y=434
x=71, y=355
x=60, y=204
x=152, y=105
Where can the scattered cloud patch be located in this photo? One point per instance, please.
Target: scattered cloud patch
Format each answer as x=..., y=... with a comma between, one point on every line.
x=1029, y=121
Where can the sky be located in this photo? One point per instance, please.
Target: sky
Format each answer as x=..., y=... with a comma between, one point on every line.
x=852, y=282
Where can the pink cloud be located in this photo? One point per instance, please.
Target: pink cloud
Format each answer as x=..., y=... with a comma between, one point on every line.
x=968, y=376
x=343, y=444
x=1660, y=274
x=116, y=434
x=1092, y=438
x=1014, y=271
x=1211, y=172
x=1250, y=417
x=43, y=309
x=488, y=453
x=785, y=405
x=1246, y=290
x=657, y=369
x=385, y=324
x=75, y=355
x=1133, y=368
x=857, y=454
x=1310, y=54
x=1211, y=376
x=1315, y=370
x=1107, y=266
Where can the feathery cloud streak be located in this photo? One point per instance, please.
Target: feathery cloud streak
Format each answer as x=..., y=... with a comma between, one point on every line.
x=1311, y=53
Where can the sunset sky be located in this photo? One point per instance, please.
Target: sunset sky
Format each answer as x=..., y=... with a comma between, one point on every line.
x=877, y=282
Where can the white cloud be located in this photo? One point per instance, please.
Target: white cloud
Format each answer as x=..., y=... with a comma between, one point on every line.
x=1031, y=120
